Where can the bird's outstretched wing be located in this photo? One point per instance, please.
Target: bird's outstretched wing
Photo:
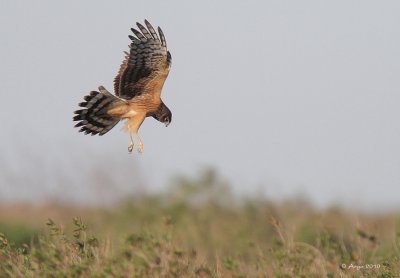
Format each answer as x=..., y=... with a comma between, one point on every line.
x=146, y=66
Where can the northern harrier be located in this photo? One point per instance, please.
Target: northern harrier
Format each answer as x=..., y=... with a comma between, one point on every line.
x=137, y=89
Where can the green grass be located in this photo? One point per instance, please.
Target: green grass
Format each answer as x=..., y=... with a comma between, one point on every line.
x=197, y=229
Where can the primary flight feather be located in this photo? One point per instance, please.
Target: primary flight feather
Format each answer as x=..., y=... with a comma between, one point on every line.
x=137, y=89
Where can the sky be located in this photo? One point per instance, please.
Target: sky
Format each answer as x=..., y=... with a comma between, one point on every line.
x=283, y=98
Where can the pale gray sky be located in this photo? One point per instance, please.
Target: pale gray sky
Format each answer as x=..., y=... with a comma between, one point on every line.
x=284, y=97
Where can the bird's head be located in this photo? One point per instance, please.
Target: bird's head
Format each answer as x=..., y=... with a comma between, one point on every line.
x=163, y=114
x=167, y=118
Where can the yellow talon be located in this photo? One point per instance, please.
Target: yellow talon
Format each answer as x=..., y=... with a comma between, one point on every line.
x=130, y=148
x=140, y=146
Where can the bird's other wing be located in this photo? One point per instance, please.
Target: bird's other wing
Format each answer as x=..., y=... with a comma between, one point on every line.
x=147, y=64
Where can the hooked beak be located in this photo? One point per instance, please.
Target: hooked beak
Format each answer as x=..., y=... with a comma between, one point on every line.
x=166, y=124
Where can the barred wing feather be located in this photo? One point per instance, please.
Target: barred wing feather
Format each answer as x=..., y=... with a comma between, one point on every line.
x=148, y=61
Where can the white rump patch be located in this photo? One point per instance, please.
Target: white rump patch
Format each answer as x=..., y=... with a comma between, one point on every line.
x=131, y=113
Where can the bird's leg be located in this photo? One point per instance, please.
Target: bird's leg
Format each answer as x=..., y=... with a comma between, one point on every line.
x=140, y=146
x=130, y=148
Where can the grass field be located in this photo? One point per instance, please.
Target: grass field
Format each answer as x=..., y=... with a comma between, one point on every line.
x=197, y=229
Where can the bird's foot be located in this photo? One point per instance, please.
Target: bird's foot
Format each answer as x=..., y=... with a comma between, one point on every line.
x=130, y=148
x=140, y=147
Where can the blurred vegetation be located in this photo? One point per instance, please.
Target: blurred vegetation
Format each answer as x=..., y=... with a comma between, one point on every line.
x=197, y=229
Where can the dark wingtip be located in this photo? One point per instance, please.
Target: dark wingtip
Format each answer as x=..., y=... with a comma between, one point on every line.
x=162, y=37
x=135, y=31
x=78, y=112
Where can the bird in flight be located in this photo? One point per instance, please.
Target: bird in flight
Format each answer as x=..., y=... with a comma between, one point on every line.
x=137, y=89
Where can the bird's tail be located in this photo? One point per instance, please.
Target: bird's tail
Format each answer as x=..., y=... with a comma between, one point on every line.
x=93, y=119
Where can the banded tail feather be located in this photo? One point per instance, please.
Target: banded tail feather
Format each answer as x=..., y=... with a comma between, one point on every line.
x=93, y=119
